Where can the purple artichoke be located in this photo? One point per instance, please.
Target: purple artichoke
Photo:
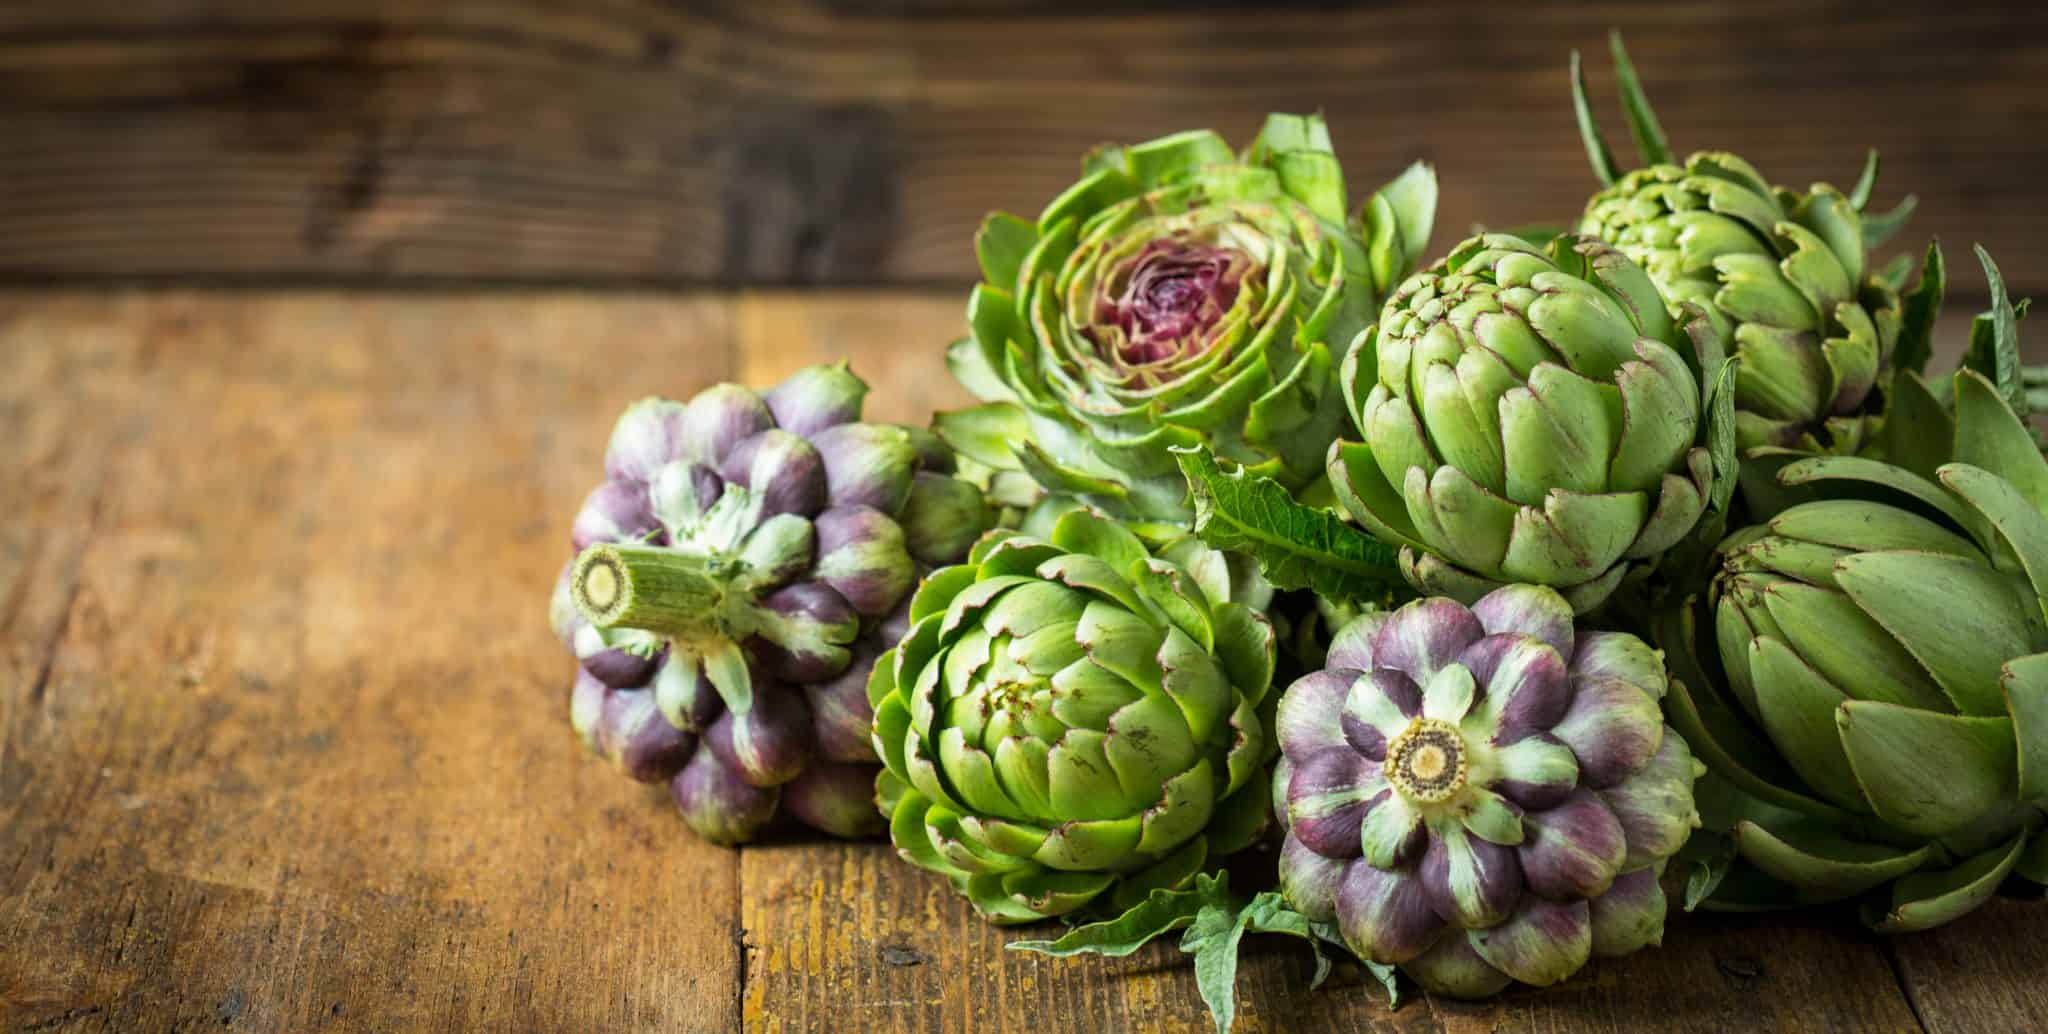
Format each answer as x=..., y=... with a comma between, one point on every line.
x=1482, y=795
x=739, y=570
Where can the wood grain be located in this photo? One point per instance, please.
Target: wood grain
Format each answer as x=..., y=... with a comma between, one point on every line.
x=283, y=746
x=284, y=742
x=861, y=142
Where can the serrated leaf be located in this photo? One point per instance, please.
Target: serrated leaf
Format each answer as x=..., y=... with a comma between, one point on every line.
x=1296, y=546
x=1721, y=435
x=1922, y=307
x=1994, y=341
x=1163, y=911
x=1213, y=940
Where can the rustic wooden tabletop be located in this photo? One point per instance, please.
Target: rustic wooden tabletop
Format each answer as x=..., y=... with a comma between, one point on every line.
x=284, y=741
x=283, y=732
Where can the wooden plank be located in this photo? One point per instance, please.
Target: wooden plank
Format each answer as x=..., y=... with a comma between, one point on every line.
x=778, y=142
x=1974, y=974
x=300, y=759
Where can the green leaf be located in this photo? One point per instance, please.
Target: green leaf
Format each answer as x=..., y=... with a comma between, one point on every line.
x=1922, y=309
x=1642, y=121
x=1163, y=911
x=1398, y=221
x=1709, y=856
x=1589, y=131
x=1000, y=246
x=984, y=433
x=1297, y=546
x=1213, y=941
x=1994, y=341
x=1721, y=436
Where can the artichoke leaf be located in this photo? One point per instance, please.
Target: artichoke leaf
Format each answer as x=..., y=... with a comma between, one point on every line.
x=2025, y=682
x=2022, y=527
x=1799, y=713
x=1990, y=435
x=1925, y=773
x=1927, y=900
x=1826, y=865
x=1959, y=618
x=1879, y=473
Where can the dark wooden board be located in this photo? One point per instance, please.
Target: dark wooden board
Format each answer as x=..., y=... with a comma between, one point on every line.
x=861, y=142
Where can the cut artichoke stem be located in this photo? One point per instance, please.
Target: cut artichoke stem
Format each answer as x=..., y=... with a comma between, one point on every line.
x=666, y=591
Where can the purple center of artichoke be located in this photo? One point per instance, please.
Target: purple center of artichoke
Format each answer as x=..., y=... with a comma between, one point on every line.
x=1426, y=762
x=1173, y=292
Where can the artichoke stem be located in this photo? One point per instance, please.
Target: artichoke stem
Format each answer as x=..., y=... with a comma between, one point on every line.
x=660, y=590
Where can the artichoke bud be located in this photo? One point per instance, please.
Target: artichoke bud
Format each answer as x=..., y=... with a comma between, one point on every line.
x=1465, y=786
x=741, y=569
x=1180, y=295
x=1531, y=419
x=1884, y=690
x=1058, y=723
x=1784, y=276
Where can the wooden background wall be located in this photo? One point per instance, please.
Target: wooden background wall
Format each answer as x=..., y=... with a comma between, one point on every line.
x=859, y=141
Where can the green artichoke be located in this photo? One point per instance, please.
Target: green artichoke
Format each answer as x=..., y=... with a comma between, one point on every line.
x=1785, y=277
x=1178, y=295
x=1874, y=698
x=1530, y=416
x=1075, y=713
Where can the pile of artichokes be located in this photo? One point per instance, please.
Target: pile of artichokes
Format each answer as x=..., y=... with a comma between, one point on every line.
x=1496, y=602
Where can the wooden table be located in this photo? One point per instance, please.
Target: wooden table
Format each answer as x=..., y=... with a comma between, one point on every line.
x=284, y=744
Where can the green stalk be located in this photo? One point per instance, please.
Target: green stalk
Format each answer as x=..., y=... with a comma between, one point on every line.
x=660, y=590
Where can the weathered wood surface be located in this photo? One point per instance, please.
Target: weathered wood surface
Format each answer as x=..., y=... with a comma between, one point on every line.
x=283, y=744
x=770, y=141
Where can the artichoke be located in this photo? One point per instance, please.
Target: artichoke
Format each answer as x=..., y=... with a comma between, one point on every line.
x=1785, y=277
x=1482, y=795
x=1877, y=721
x=742, y=566
x=1074, y=715
x=1531, y=416
x=1178, y=295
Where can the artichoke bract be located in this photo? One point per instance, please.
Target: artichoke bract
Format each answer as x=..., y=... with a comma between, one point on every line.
x=1482, y=795
x=1880, y=726
x=1180, y=294
x=1531, y=416
x=740, y=569
x=1785, y=276
x=1074, y=716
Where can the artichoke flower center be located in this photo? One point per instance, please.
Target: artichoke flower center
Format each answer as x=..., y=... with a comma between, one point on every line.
x=1173, y=292
x=1427, y=762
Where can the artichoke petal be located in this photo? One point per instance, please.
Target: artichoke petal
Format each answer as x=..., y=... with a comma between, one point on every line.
x=1928, y=773
x=1926, y=900
x=1541, y=944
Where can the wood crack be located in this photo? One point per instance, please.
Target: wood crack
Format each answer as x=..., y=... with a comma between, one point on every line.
x=38, y=689
x=1906, y=988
